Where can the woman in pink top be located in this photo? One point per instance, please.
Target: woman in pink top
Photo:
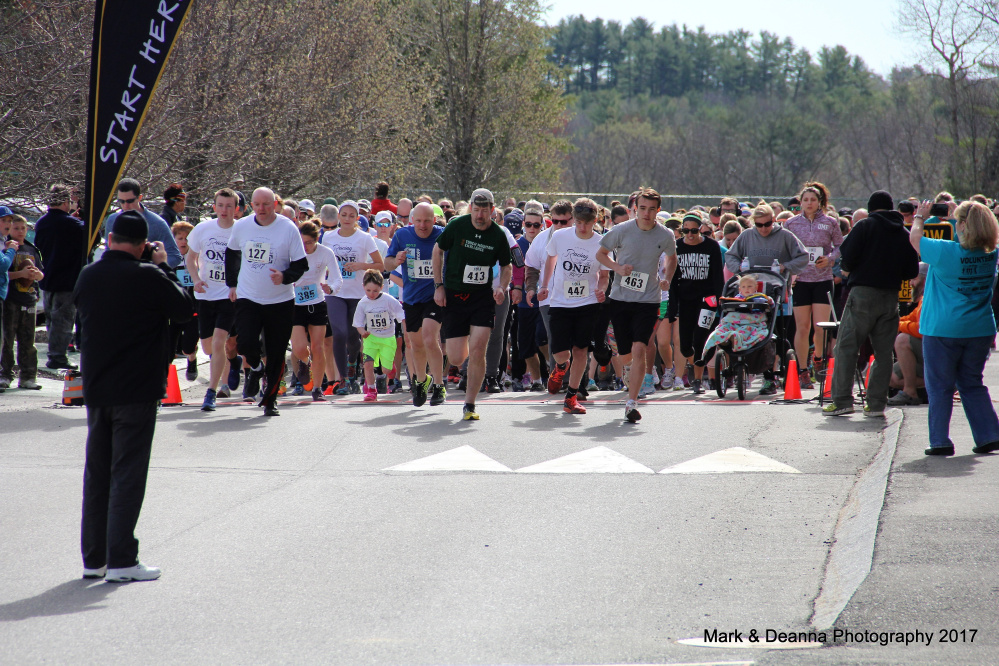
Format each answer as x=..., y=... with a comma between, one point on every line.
x=821, y=236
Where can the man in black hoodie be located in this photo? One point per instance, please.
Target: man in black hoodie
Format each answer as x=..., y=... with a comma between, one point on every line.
x=876, y=256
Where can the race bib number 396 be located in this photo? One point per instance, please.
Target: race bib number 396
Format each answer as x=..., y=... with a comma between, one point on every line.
x=476, y=274
x=635, y=281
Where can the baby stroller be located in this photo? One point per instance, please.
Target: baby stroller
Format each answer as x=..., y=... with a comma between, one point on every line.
x=736, y=366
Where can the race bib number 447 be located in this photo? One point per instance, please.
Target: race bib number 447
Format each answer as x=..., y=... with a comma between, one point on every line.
x=635, y=281
x=577, y=289
x=476, y=274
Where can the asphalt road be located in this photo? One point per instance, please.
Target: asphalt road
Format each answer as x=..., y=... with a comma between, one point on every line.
x=384, y=534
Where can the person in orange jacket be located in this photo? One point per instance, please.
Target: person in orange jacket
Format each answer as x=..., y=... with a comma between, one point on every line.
x=907, y=373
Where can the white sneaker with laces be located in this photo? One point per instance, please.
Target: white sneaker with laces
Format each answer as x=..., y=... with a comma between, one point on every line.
x=678, y=384
x=94, y=573
x=139, y=572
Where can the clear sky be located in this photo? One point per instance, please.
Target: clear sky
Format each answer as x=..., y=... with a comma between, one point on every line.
x=864, y=27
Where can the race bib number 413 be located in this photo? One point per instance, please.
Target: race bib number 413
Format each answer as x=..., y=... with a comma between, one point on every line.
x=476, y=274
x=635, y=281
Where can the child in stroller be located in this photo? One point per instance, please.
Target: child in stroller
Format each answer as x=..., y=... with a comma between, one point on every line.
x=743, y=329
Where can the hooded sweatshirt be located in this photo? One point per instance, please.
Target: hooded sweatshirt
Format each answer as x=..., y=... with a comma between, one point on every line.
x=781, y=245
x=877, y=253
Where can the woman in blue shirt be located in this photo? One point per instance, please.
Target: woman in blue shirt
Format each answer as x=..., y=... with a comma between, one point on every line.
x=957, y=324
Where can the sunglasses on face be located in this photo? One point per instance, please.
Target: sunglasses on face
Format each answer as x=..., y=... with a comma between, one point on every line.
x=383, y=224
x=402, y=217
x=688, y=230
x=764, y=224
x=328, y=228
x=795, y=209
x=565, y=221
x=128, y=201
x=532, y=225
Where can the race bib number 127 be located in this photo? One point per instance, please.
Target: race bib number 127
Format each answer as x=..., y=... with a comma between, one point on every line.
x=258, y=253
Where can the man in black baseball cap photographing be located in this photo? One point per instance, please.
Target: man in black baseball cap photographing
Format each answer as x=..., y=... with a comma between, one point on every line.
x=125, y=302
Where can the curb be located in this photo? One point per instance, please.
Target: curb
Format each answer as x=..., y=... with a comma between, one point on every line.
x=852, y=552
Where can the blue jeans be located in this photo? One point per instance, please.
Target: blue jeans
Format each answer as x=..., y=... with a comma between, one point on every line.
x=958, y=362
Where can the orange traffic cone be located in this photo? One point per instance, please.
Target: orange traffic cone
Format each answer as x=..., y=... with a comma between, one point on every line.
x=173, y=388
x=72, y=389
x=867, y=378
x=792, y=387
x=830, y=367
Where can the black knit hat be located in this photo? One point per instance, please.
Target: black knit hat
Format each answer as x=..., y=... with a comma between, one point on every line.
x=880, y=200
x=130, y=226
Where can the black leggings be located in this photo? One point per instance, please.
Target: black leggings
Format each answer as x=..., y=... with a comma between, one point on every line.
x=692, y=336
x=275, y=322
x=346, y=339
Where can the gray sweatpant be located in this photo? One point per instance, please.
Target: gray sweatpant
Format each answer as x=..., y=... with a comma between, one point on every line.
x=868, y=312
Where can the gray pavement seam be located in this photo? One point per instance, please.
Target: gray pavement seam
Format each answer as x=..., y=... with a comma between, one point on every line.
x=852, y=551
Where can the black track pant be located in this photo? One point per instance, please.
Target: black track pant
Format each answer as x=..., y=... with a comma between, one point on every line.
x=275, y=322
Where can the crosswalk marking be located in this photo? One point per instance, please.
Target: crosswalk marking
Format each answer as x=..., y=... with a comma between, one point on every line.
x=735, y=459
x=597, y=460
x=461, y=459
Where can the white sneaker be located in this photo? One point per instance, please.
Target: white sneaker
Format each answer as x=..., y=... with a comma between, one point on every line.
x=139, y=572
x=678, y=384
x=667, y=381
x=94, y=573
x=223, y=391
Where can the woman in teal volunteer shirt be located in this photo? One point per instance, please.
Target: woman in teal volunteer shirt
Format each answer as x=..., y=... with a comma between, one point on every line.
x=957, y=324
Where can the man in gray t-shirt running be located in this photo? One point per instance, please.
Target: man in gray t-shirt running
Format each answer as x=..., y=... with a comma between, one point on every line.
x=634, y=300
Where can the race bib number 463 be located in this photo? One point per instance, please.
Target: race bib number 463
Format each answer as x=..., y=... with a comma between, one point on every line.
x=258, y=253
x=476, y=274
x=635, y=281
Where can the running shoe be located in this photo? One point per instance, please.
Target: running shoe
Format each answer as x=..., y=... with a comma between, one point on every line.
x=396, y=386
x=537, y=387
x=355, y=388
x=453, y=375
x=270, y=409
x=209, y=403
x=518, y=386
x=873, y=412
x=832, y=409
x=591, y=386
x=342, y=388
x=192, y=370
x=438, y=394
x=805, y=381
x=462, y=384
x=381, y=384
x=468, y=414
x=631, y=411
x=678, y=384
x=420, y=391
x=234, y=367
x=298, y=390
x=769, y=387
x=317, y=395
x=648, y=387
x=333, y=387
x=556, y=377
x=572, y=406
x=370, y=394
x=251, y=383
x=667, y=381
x=493, y=385
x=696, y=386
x=223, y=391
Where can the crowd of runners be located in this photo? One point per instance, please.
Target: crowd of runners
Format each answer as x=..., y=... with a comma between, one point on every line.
x=568, y=297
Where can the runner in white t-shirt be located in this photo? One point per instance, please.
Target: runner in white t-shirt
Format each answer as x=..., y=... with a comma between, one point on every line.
x=264, y=258
x=311, y=324
x=537, y=255
x=576, y=284
x=216, y=313
x=375, y=318
x=356, y=252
